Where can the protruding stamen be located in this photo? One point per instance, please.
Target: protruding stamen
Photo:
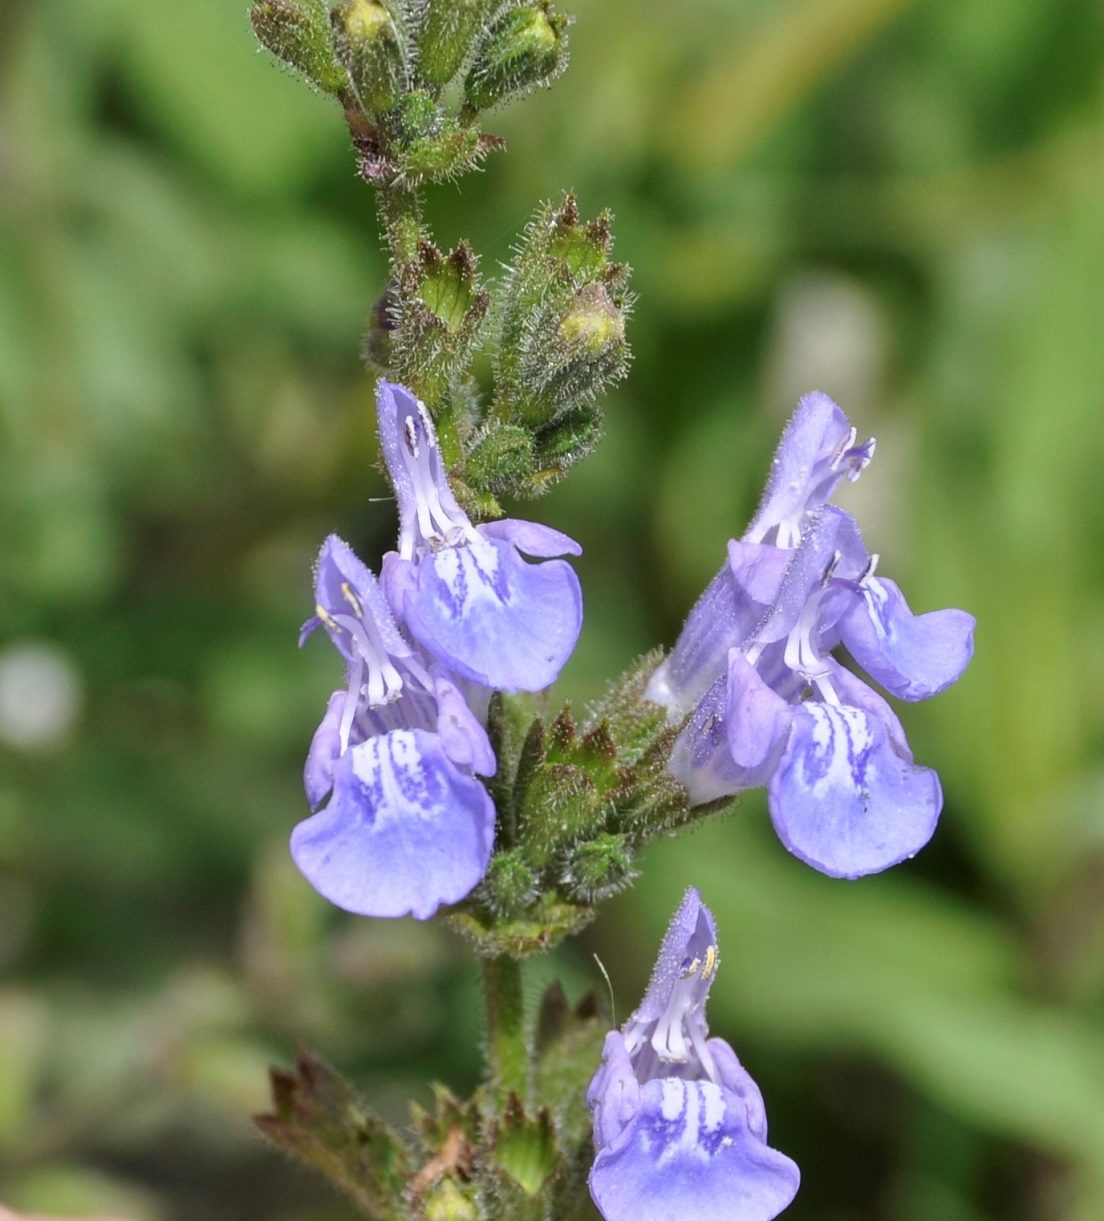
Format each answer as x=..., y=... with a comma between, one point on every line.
x=690, y=967
x=679, y=1035
x=845, y=448
x=352, y=599
x=384, y=683
x=437, y=526
x=427, y=425
x=830, y=571
x=868, y=571
x=411, y=436
x=800, y=654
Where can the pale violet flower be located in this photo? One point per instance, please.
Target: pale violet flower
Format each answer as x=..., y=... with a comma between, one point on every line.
x=407, y=826
x=817, y=450
x=768, y=704
x=465, y=593
x=680, y=1130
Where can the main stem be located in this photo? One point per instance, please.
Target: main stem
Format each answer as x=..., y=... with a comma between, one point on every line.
x=507, y=1048
x=401, y=212
x=401, y=208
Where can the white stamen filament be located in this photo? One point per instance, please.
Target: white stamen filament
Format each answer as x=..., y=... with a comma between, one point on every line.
x=436, y=527
x=845, y=445
x=348, y=712
x=679, y=1023
x=789, y=533
x=384, y=683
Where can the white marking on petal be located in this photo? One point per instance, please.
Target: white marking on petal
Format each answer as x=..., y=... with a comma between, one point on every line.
x=674, y=1098
x=714, y=1106
x=840, y=737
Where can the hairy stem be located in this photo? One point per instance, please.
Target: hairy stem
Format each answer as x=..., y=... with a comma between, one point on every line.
x=401, y=209
x=507, y=1047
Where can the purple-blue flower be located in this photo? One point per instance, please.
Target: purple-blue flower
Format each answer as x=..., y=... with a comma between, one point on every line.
x=817, y=450
x=680, y=1130
x=407, y=826
x=465, y=593
x=769, y=705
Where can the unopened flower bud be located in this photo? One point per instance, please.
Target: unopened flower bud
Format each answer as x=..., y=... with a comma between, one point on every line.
x=574, y=353
x=447, y=1201
x=298, y=32
x=593, y=327
x=445, y=36
x=562, y=335
x=368, y=44
x=525, y=47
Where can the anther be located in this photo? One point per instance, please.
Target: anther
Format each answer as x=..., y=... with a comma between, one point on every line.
x=690, y=967
x=868, y=571
x=411, y=436
x=351, y=598
x=427, y=425
x=833, y=564
x=844, y=448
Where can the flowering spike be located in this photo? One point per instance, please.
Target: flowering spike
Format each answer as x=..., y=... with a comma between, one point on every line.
x=680, y=1129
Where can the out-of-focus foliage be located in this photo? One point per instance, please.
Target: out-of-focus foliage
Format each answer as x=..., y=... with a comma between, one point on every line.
x=898, y=203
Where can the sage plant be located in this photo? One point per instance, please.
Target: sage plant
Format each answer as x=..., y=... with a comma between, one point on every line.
x=438, y=784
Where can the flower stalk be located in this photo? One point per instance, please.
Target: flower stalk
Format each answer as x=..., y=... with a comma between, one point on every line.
x=508, y=1051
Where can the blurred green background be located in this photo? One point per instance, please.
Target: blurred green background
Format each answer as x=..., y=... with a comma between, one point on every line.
x=899, y=203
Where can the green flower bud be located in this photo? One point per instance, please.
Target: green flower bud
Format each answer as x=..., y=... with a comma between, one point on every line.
x=368, y=44
x=561, y=339
x=592, y=332
x=576, y=347
x=599, y=868
x=525, y=47
x=430, y=145
x=510, y=885
x=498, y=458
x=448, y=1202
x=298, y=32
x=525, y=1147
x=445, y=36
x=437, y=319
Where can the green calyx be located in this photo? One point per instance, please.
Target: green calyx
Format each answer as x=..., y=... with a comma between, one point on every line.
x=562, y=340
x=433, y=322
x=368, y=44
x=576, y=803
x=298, y=32
x=525, y=47
x=319, y=1120
x=445, y=35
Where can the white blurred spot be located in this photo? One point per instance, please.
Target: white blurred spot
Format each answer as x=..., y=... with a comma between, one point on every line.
x=40, y=696
x=830, y=334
